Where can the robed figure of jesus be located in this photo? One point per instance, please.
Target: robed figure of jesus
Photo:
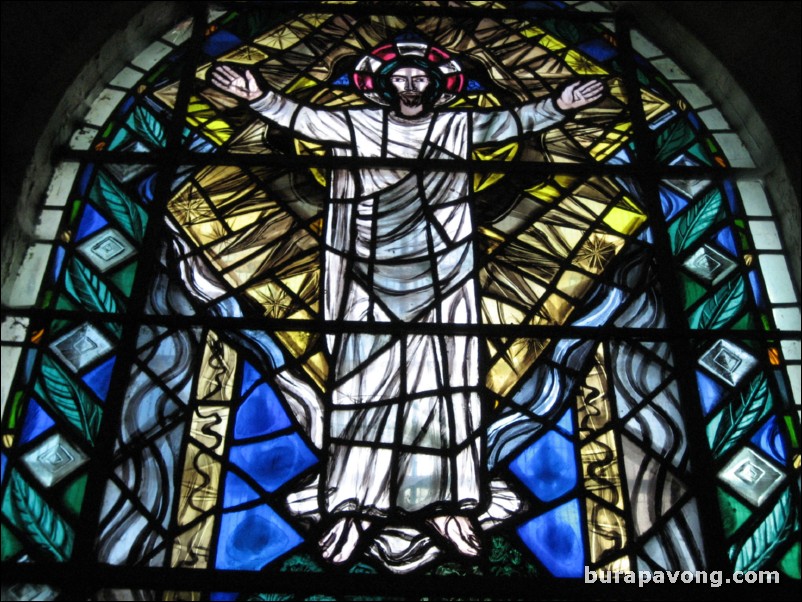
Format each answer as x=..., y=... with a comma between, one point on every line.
x=404, y=410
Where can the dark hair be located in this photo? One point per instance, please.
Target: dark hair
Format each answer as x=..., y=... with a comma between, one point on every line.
x=388, y=92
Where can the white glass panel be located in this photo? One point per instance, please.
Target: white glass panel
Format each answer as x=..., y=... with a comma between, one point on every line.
x=180, y=33
x=644, y=47
x=594, y=7
x=82, y=139
x=714, y=119
x=49, y=221
x=791, y=350
x=734, y=150
x=151, y=55
x=794, y=375
x=13, y=330
x=694, y=95
x=21, y=291
x=765, y=235
x=126, y=78
x=61, y=183
x=9, y=357
x=670, y=69
x=778, y=280
x=103, y=106
x=754, y=197
x=787, y=318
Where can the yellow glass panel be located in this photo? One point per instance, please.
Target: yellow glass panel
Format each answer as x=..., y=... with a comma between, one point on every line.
x=597, y=251
x=551, y=43
x=273, y=298
x=532, y=32
x=600, y=458
x=626, y=217
x=296, y=342
x=582, y=65
x=497, y=312
x=217, y=371
x=318, y=368
x=610, y=141
x=653, y=106
x=505, y=373
x=479, y=101
x=284, y=36
x=243, y=55
x=302, y=83
x=574, y=284
x=306, y=148
x=549, y=193
x=202, y=115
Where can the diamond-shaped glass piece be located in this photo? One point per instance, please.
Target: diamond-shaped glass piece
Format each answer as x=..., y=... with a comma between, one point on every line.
x=728, y=361
x=751, y=475
x=709, y=264
x=106, y=249
x=53, y=460
x=81, y=346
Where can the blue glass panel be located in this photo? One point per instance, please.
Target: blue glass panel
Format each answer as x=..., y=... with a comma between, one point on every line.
x=36, y=422
x=547, y=467
x=598, y=49
x=58, y=261
x=249, y=377
x=237, y=492
x=220, y=42
x=646, y=236
x=770, y=440
x=672, y=203
x=260, y=414
x=272, y=463
x=99, y=379
x=709, y=392
x=567, y=422
x=91, y=221
x=556, y=539
x=84, y=178
x=3, y=462
x=250, y=539
x=147, y=188
x=474, y=86
x=729, y=192
x=757, y=289
x=223, y=596
x=726, y=240
x=343, y=80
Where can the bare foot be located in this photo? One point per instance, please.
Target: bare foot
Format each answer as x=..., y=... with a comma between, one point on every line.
x=459, y=531
x=342, y=539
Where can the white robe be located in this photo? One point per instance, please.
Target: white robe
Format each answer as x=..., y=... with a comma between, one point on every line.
x=404, y=409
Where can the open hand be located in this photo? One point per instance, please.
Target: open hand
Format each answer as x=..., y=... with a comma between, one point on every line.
x=242, y=85
x=580, y=94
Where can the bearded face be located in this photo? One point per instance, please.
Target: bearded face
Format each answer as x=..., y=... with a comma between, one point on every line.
x=410, y=83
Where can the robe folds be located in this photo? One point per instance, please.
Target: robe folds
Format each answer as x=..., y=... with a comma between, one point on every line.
x=404, y=411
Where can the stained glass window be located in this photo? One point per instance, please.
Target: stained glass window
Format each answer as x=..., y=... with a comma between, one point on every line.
x=399, y=300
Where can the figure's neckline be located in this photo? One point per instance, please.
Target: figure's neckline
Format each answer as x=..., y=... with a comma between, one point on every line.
x=401, y=120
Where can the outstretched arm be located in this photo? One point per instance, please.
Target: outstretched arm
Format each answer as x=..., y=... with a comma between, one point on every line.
x=242, y=85
x=320, y=125
x=579, y=94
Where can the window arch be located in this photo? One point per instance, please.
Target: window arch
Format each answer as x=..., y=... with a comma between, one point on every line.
x=592, y=191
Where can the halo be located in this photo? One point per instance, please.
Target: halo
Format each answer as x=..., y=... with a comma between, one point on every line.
x=370, y=65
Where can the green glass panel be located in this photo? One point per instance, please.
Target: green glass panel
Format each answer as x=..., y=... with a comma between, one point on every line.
x=9, y=545
x=733, y=512
x=42, y=526
x=739, y=416
x=692, y=225
x=692, y=289
x=124, y=278
x=747, y=322
x=722, y=307
x=73, y=495
x=790, y=564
